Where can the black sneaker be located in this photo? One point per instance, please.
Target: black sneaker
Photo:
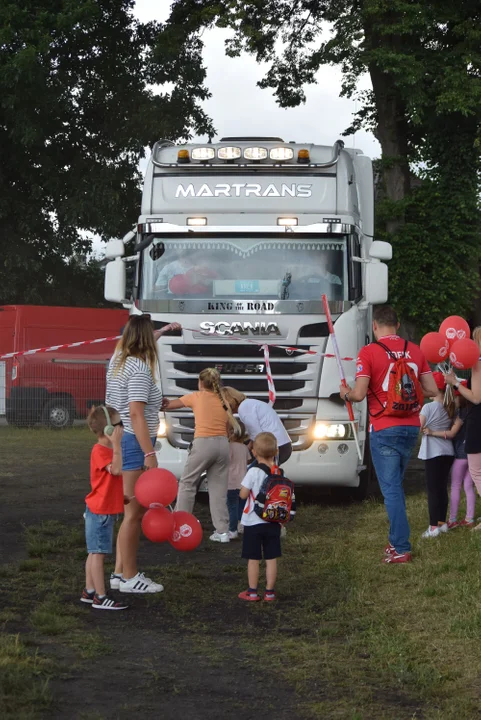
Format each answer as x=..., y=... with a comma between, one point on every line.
x=107, y=603
x=87, y=597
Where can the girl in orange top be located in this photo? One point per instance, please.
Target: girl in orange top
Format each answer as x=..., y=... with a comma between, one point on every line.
x=210, y=450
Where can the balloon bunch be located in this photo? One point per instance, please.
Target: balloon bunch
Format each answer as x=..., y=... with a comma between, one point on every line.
x=155, y=489
x=452, y=343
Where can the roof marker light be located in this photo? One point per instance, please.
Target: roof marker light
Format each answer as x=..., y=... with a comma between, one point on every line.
x=229, y=153
x=281, y=153
x=255, y=153
x=303, y=156
x=183, y=156
x=197, y=221
x=287, y=221
x=203, y=153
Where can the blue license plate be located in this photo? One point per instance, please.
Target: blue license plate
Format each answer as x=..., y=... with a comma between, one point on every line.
x=247, y=286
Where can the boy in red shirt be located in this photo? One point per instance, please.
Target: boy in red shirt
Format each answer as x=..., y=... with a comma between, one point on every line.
x=104, y=502
x=392, y=439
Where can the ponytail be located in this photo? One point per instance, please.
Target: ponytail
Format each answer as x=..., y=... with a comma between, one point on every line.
x=449, y=404
x=211, y=380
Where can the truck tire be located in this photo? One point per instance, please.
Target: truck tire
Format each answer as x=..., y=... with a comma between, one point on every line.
x=58, y=414
x=367, y=478
x=13, y=419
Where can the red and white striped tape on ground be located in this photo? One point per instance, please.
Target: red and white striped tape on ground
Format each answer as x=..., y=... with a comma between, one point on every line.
x=260, y=344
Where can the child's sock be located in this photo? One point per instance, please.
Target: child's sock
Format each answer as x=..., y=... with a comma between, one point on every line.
x=252, y=591
x=90, y=590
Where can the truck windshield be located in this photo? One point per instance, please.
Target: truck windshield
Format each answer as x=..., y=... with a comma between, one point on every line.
x=299, y=267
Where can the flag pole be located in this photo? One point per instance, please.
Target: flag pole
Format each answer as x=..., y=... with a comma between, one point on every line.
x=335, y=347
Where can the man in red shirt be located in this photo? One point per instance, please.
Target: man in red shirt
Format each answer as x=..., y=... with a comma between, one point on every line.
x=392, y=439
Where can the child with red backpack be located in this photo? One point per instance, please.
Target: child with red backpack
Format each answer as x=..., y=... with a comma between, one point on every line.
x=270, y=504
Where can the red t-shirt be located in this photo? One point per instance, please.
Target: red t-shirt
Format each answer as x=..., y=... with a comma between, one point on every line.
x=107, y=494
x=374, y=363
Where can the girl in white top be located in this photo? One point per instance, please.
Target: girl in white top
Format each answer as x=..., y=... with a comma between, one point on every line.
x=258, y=417
x=438, y=455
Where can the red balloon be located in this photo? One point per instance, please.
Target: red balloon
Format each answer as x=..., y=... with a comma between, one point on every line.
x=455, y=328
x=158, y=524
x=156, y=486
x=187, y=534
x=435, y=347
x=464, y=354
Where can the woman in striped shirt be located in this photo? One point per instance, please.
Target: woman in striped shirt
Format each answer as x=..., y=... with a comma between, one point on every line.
x=132, y=391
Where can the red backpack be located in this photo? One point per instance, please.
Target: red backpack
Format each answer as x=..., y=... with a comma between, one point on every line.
x=276, y=501
x=405, y=395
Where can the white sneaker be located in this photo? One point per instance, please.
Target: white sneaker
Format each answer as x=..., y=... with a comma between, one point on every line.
x=115, y=581
x=443, y=528
x=140, y=584
x=220, y=537
x=431, y=532
x=233, y=534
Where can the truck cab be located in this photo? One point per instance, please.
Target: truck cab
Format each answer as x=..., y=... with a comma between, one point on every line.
x=238, y=240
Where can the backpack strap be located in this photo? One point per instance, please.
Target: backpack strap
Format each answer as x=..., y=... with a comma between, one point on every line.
x=384, y=347
x=251, y=497
x=264, y=468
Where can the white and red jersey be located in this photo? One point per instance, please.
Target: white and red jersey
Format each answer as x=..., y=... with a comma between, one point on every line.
x=375, y=363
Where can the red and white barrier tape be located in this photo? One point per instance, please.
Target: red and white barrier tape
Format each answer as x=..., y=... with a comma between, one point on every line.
x=260, y=344
x=270, y=379
x=52, y=348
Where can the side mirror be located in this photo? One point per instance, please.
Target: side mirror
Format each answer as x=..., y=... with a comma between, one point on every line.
x=376, y=286
x=380, y=250
x=115, y=281
x=114, y=249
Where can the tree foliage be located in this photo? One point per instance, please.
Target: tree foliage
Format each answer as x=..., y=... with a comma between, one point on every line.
x=424, y=61
x=77, y=108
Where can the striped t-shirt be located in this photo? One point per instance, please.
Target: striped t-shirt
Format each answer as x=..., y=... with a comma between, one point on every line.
x=134, y=383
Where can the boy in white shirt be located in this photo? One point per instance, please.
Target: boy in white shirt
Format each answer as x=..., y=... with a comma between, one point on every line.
x=260, y=538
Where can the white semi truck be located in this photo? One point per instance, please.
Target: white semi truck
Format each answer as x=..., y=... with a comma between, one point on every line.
x=237, y=240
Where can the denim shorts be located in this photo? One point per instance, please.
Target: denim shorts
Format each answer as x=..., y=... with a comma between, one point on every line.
x=99, y=532
x=132, y=453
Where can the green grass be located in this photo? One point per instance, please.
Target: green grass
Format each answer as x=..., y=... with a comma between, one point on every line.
x=357, y=640
x=24, y=679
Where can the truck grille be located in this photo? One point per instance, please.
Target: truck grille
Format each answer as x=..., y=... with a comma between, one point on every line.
x=296, y=377
x=181, y=429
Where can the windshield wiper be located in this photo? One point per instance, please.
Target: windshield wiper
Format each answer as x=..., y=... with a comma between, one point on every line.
x=285, y=285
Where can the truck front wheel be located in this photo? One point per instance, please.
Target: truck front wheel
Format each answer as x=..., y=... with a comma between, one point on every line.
x=58, y=414
x=367, y=478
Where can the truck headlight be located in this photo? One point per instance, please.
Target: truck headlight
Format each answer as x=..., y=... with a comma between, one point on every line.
x=323, y=430
x=162, y=431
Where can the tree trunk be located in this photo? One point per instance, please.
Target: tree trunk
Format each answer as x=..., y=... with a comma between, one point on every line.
x=392, y=129
x=392, y=134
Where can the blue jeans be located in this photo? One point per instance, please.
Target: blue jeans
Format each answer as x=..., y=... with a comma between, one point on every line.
x=391, y=451
x=234, y=508
x=99, y=532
